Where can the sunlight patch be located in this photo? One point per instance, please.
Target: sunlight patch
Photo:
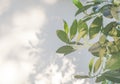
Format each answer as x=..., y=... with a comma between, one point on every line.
x=59, y=74
x=56, y=74
x=16, y=61
x=9, y=73
x=15, y=72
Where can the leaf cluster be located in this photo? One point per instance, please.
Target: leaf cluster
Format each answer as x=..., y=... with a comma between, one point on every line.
x=105, y=65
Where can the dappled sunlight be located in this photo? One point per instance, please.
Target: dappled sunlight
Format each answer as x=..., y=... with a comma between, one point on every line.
x=9, y=73
x=56, y=74
x=22, y=32
x=14, y=72
x=27, y=53
x=16, y=62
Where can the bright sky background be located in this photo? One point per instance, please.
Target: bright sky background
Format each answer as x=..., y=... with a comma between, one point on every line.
x=28, y=43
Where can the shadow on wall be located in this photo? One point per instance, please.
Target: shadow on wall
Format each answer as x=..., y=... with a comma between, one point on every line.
x=28, y=43
x=51, y=67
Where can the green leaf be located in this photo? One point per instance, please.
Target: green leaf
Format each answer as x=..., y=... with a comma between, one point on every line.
x=62, y=36
x=118, y=33
x=66, y=28
x=81, y=77
x=83, y=8
x=97, y=65
x=82, y=30
x=103, y=9
x=113, y=47
x=91, y=64
x=109, y=27
x=114, y=62
x=87, y=18
x=73, y=29
x=75, y=43
x=113, y=76
x=95, y=27
x=107, y=82
x=65, y=50
x=77, y=3
x=98, y=50
x=100, y=79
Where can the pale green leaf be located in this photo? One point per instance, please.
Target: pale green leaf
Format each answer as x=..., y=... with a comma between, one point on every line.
x=102, y=52
x=97, y=65
x=113, y=32
x=94, y=49
x=66, y=28
x=112, y=48
x=82, y=30
x=102, y=39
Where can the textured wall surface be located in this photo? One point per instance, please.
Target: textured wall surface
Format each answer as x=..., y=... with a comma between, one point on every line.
x=28, y=43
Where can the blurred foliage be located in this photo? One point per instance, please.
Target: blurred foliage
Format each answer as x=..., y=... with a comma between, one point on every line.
x=105, y=64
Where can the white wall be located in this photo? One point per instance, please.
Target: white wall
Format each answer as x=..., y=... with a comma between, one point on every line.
x=28, y=43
